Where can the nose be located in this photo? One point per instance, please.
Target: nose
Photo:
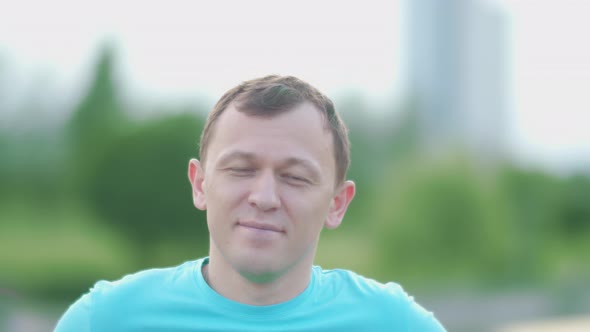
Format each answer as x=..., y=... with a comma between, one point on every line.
x=264, y=193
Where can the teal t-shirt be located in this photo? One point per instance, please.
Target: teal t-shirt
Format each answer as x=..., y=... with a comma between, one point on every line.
x=179, y=299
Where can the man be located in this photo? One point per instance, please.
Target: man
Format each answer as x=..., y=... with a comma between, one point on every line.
x=274, y=155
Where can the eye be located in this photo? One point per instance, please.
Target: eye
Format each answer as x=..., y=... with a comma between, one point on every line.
x=241, y=171
x=295, y=179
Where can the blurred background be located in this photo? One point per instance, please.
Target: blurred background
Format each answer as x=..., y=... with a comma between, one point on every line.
x=468, y=121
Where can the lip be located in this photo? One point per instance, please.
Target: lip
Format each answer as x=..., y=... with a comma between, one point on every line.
x=260, y=226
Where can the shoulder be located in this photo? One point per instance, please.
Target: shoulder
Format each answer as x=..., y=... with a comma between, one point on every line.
x=340, y=280
x=387, y=299
x=143, y=284
x=159, y=274
x=106, y=300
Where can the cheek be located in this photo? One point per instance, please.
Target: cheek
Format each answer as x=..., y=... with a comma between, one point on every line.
x=308, y=207
x=223, y=193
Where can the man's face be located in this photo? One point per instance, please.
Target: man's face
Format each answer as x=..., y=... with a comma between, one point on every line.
x=268, y=185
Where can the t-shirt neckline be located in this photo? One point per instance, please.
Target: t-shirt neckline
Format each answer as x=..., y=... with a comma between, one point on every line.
x=251, y=311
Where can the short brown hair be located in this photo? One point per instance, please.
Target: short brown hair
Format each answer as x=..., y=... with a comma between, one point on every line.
x=272, y=95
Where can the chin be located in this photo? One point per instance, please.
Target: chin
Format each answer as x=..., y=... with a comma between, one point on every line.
x=258, y=269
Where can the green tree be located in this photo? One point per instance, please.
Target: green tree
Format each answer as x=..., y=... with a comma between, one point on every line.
x=574, y=208
x=98, y=119
x=570, y=241
x=141, y=186
x=443, y=222
x=532, y=198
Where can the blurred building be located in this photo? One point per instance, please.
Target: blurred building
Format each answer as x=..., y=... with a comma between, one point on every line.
x=457, y=67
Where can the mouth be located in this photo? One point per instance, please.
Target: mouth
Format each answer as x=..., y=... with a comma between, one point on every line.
x=254, y=225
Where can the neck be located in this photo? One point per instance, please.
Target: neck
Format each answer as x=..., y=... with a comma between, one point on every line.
x=229, y=283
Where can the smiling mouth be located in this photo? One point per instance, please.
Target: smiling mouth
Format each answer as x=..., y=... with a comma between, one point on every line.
x=260, y=226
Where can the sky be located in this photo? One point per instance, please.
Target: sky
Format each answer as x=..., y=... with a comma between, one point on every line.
x=186, y=50
x=551, y=68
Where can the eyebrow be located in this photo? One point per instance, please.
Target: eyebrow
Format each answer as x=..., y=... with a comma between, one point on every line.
x=235, y=155
x=308, y=165
x=291, y=161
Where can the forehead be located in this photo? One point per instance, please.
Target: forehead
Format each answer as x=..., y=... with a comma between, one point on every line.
x=300, y=132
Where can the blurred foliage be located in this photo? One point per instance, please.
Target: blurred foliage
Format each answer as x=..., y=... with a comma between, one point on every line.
x=141, y=185
x=109, y=194
x=97, y=122
x=444, y=219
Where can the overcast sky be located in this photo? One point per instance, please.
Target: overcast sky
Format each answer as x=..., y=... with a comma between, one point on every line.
x=182, y=50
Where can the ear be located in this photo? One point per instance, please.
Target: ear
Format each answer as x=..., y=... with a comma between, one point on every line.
x=339, y=204
x=196, y=177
